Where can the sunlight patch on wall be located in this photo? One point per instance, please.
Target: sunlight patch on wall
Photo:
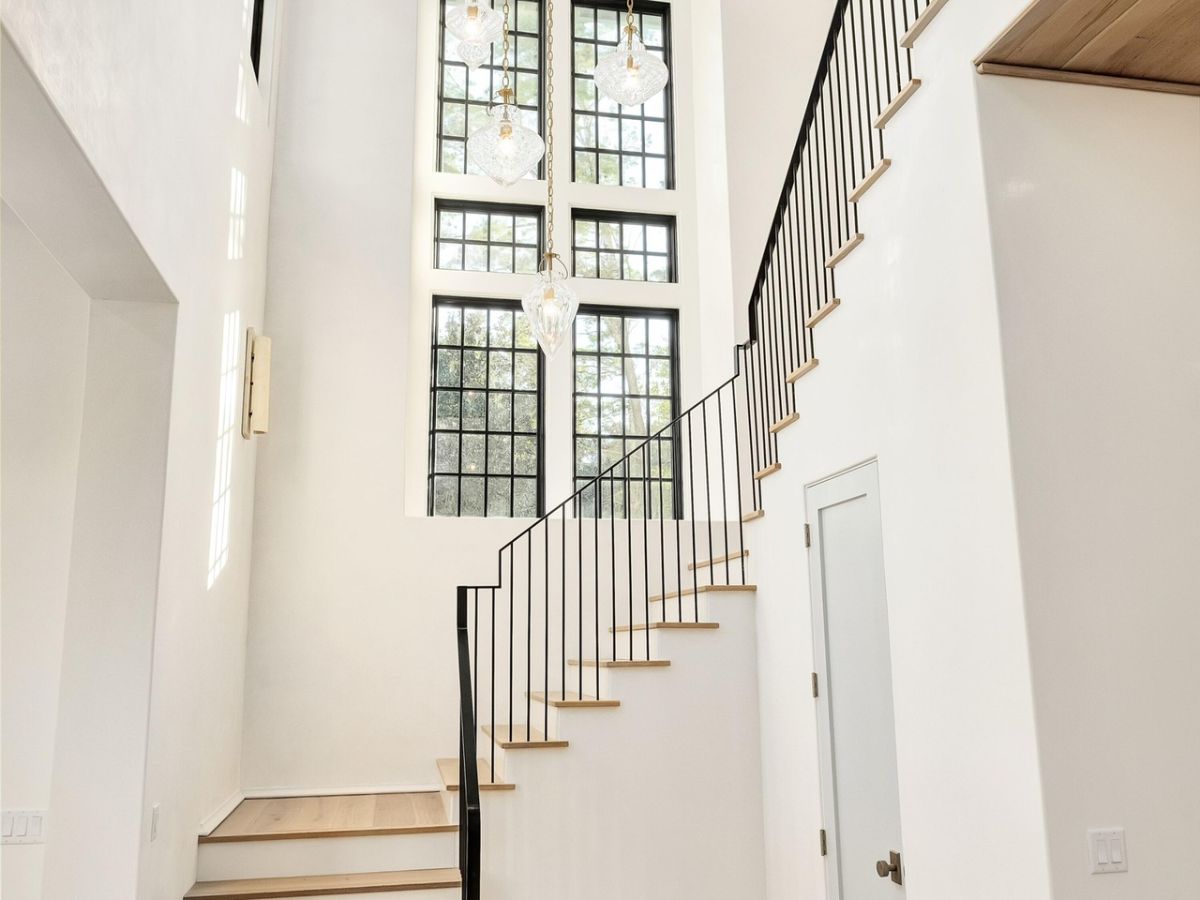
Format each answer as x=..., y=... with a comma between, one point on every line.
x=237, y=214
x=241, y=102
x=218, y=543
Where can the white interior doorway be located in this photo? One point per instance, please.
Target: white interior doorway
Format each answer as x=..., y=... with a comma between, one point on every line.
x=852, y=656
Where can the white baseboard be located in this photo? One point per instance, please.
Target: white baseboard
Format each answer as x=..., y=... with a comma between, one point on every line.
x=266, y=793
x=218, y=815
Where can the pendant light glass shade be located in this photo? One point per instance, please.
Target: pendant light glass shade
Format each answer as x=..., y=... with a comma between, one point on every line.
x=474, y=53
x=551, y=306
x=504, y=148
x=630, y=76
x=472, y=22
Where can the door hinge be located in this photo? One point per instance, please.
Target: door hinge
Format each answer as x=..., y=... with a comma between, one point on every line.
x=807, y=535
x=815, y=682
x=824, y=844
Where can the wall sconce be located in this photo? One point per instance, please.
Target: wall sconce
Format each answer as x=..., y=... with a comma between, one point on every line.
x=256, y=385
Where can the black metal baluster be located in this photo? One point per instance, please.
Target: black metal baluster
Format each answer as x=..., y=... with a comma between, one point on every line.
x=692, y=495
x=529, y=636
x=646, y=531
x=707, y=483
x=724, y=486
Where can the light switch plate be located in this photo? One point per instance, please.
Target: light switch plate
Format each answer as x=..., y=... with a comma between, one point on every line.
x=1106, y=850
x=23, y=826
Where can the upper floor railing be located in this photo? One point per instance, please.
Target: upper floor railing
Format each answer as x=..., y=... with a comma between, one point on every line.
x=639, y=542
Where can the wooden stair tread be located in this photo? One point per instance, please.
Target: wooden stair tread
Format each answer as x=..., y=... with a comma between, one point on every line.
x=325, y=885
x=843, y=251
x=769, y=470
x=705, y=589
x=572, y=700
x=898, y=101
x=621, y=663
x=754, y=514
x=715, y=561
x=785, y=422
x=871, y=177
x=667, y=626
x=522, y=737
x=342, y=815
x=821, y=313
x=922, y=22
x=796, y=374
x=448, y=769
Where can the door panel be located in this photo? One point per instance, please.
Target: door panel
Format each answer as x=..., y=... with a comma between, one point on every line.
x=860, y=794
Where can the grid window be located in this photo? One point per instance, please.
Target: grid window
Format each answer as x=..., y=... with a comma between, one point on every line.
x=465, y=95
x=615, y=144
x=485, y=429
x=488, y=237
x=626, y=367
x=624, y=246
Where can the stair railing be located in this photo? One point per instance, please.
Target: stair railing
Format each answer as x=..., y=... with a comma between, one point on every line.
x=582, y=583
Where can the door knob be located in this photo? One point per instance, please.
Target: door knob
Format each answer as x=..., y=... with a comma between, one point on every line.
x=890, y=867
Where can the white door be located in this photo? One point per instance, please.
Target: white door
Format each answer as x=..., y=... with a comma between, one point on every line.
x=856, y=724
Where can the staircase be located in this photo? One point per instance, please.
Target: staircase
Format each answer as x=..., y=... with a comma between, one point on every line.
x=570, y=653
x=607, y=677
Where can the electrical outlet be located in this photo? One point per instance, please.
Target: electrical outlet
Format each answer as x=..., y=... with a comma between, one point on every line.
x=1106, y=849
x=23, y=826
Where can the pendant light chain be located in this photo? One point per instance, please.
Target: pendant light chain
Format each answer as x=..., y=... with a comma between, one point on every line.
x=549, y=132
x=505, y=91
x=629, y=29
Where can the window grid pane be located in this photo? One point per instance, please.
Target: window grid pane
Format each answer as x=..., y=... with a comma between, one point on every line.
x=465, y=95
x=623, y=246
x=488, y=237
x=626, y=367
x=485, y=428
x=615, y=144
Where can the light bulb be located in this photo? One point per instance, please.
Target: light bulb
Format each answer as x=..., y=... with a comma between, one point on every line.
x=472, y=22
x=550, y=308
x=503, y=148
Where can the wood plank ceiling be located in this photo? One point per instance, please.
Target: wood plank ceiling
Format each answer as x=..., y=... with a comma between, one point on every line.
x=1146, y=44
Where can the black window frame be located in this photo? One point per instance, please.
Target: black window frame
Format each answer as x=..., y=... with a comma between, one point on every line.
x=494, y=64
x=624, y=217
x=441, y=300
x=441, y=205
x=643, y=6
x=580, y=482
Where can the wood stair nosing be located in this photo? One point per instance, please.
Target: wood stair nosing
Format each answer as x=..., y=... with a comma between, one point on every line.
x=448, y=769
x=811, y=321
x=784, y=423
x=521, y=737
x=752, y=515
x=325, y=885
x=572, y=700
x=922, y=22
x=367, y=831
x=845, y=250
x=666, y=626
x=869, y=180
x=621, y=663
x=706, y=589
x=716, y=561
x=769, y=470
x=798, y=373
x=889, y=111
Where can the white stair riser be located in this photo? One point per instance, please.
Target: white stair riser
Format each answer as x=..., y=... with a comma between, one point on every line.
x=431, y=894
x=327, y=856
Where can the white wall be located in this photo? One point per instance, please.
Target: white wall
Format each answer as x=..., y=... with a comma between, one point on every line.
x=911, y=374
x=351, y=670
x=45, y=330
x=1093, y=195
x=152, y=96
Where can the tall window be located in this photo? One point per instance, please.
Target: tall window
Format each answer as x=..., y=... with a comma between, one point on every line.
x=628, y=246
x=615, y=144
x=488, y=237
x=466, y=95
x=485, y=434
x=626, y=368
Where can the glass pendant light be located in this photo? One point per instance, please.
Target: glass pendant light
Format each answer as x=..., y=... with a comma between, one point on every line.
x=474, y=53
x=630, y=75
x=552, y=303
x=474, y=23
x=502, y=147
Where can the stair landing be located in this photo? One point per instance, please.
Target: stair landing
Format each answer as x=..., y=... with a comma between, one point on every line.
x=280, y=818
